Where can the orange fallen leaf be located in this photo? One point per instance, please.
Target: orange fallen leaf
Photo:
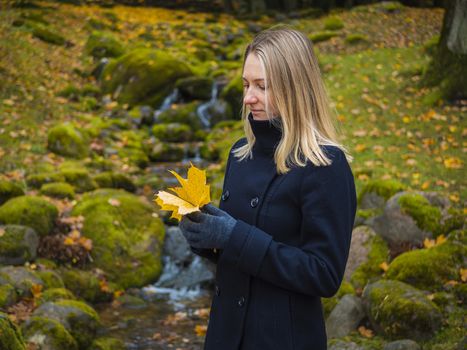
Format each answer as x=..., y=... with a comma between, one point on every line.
x=200, y=330
x=367, y=333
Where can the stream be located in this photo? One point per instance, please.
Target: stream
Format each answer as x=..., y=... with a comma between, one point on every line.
x=173, y=312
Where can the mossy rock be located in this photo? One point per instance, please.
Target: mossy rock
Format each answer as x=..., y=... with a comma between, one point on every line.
x=9, y=190
x=356, y=38
x=115, y=180
x=78, y=318
x=398, y=310
x=31, y=211
x=18, y=244
x=21, y=278
x=167, y=152
x=376, y=192
x=184, y=113
x=430, y=268
x=47, y=35
x=127, y=238
x=134, y=156
x=426, y=216
x=47, y=333
x=102, y=44
x=233, y=94
x=39, y=179
x=143, y=76
x=85, y=284
x=58, y=190
x=68, y=141
x=193, y=88
x=330, y=303
x=8, y=295
x=107, y=344
x=79, y=178
x=219, y=111
x=10, y=335
x=322, y=36
x=371, y=270
x=50, y=278
x=54, y=294
x=172, y=132
x=333, y=23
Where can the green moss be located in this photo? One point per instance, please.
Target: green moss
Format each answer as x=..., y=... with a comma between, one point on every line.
x=10, y=335
x=9, y=190
x=330, y=303
x=195, y=87
x=167, y=152
x=7, y=295
x=398, y=310
x=30, y=211
x=107, y=344
x=18, y=244
x=79, y=178
x=370, y=270
x=101, y=44
x=58, y=190
x=156, y=73
x=39, y=179
x=172, y=132
x=83, y=329
x=369, y=213
x=322, y=36
x=49, y=332
x=182, y=113
x=23, y=279
x=383, y=188
x=419, y=208
x=85, y=284
x=51, y=279
x=356, y=38
x=47, y=35
x=115, y=180
x=452, y=333
x=126, y=237
x=333, y=23
x=54, y=294
x=66, y=140
x=453, y=221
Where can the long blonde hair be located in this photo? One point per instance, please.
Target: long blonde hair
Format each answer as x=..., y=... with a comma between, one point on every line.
x=297, y=91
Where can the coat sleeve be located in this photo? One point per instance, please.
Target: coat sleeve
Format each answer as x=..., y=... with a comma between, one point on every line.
x=316, y=267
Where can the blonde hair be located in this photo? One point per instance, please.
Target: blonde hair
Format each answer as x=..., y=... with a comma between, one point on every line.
x=297, y=92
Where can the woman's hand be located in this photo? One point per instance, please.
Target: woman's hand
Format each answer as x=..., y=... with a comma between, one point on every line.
x=208, y=229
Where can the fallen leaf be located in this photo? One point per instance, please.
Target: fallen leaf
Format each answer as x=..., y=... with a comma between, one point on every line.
x=189, y=198
x=367, y=333
x=200, y=330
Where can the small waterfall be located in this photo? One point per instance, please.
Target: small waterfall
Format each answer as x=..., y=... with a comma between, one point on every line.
x=172, y=98
x=202, y=110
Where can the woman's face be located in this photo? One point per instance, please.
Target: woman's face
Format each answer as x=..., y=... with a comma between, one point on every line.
x=254, y=88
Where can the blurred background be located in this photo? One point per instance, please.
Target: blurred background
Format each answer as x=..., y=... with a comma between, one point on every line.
x=98, y=99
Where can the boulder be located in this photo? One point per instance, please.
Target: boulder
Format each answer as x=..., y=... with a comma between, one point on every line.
x=31, y=211
x=21, y=278
x=102, y=44
x=115, y=180
x=46, y=333
x=398, y=310
x=375, y=193
x=77, y=317
x=9, y=190
x=10, y=336
x=67, y=140
x=345, y=317
x=143, y=76
x=404, y=344
x=8, y=295
x=172, y=132
x=58, y=190
x=18, y=244
x=195, y=88
x=167, y=152
x=127, y=237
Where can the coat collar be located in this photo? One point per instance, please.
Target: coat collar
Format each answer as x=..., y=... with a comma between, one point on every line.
x=266, y=134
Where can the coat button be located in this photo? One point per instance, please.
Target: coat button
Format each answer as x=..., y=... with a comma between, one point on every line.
x=241, y=302
x=225, y=195
x=254, y=202
x=218, y=291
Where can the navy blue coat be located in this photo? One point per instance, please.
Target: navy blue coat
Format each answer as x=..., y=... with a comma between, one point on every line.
x=288, y=249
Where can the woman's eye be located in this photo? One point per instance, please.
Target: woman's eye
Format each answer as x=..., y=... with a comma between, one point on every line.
x=261, y=87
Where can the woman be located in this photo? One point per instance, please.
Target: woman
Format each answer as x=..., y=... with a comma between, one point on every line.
x=282, y=234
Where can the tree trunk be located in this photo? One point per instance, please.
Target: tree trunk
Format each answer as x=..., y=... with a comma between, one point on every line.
x=448, y=68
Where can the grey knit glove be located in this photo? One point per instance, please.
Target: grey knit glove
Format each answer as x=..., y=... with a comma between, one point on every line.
x=210, y=228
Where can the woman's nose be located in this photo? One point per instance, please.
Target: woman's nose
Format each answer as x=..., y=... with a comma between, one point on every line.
x=250, y=98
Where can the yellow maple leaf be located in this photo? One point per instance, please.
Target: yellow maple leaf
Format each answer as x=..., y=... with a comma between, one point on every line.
x=189, y=198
